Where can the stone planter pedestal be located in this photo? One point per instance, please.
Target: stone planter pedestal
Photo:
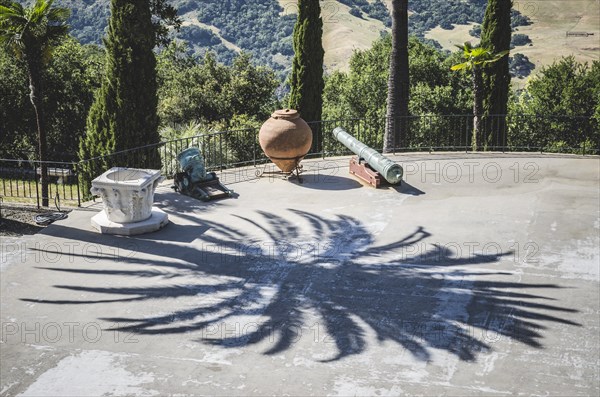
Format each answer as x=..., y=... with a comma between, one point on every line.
x=127, y=196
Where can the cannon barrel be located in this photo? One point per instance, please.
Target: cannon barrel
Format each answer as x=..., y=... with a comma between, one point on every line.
x=391, y=171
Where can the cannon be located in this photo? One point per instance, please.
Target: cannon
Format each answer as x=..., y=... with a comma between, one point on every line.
x=368, y=164
x=194, y=181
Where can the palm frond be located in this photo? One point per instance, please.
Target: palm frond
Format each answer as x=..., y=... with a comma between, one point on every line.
x=460, y=66
x=502, y=53
x=479, y=52
x=40, y=10
x=14, y=8
x=467, y=47
x=497, y=56
x=59, y=14
x=10, y=15
x=39, y=26
x=55, y=33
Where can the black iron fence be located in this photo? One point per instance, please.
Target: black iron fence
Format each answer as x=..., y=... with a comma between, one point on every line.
x=20, y=182
x=70, y=182
x=550, y=134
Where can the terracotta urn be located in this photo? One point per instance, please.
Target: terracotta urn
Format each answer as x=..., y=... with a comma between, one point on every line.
x=285, y=138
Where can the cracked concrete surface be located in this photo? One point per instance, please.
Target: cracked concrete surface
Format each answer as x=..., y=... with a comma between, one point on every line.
x=478, y=276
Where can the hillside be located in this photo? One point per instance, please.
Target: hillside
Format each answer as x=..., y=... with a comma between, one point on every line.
x=550, y=22
x=264, y=27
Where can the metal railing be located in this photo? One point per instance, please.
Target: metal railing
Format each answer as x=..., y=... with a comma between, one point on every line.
x=560, y=134
x=70, y=182
x=20, y=182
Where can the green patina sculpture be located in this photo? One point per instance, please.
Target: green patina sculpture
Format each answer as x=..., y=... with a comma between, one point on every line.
x=195, y=181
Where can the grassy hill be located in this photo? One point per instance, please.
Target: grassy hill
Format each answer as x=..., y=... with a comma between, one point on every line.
x=344, y=33
x=263, y=27
x=551, y=20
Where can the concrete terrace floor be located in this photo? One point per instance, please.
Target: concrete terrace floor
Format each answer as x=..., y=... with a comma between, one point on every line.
x=478, y=276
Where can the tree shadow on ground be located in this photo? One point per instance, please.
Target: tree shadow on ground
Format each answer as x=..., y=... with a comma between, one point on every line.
x=15, y=228
x=291, y=268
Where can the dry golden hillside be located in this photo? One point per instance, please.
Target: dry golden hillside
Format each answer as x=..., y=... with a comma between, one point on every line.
x=552, y=19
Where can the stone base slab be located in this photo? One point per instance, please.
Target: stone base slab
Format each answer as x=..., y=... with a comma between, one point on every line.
x=157, y=220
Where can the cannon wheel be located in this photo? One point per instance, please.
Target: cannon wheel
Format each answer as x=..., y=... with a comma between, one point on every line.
x=181, y=182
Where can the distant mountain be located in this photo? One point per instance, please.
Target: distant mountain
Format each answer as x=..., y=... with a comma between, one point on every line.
x=264, y=27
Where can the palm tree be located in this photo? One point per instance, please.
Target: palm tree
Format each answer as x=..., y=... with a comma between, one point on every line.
x=30, y=34
x=398, y=82
x=476, y=57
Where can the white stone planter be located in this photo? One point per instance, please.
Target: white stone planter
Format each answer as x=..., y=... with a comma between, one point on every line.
x=127, y=196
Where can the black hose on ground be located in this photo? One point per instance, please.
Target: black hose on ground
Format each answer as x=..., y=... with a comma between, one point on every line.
x=49, y=217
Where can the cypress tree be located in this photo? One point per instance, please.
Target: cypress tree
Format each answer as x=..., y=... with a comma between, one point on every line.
x=124, y=113
x=495, y=36
x=306, y=80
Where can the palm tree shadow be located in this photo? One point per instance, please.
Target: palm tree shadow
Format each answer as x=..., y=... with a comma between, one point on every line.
x=433, y=300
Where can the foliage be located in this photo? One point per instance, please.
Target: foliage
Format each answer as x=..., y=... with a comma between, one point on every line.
x=70, y=79
x=519, y=39
x=375, y=9
x=124, y=113
x=520, y=66
x=355, y=12
x=192, y=90
x=17, y=118
x=585, y=147
x=225, y=142
x=214, y=97
x=199, y=97
x=195, y=91
x=262, y=27
x=35, y=28
x=518, y=19
x=475, y=58
x=427, y=14
x=361, y=93
x=378, y=10
x=306, y=81
x=576, y=84
x=475, y=31
x=496, y=36
x=565, y=88
x=31, y=34
x=256, y=27
x=89, y=19
x=164, y=18
x=73, y=76
x=201, y=36
x=203, y=96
